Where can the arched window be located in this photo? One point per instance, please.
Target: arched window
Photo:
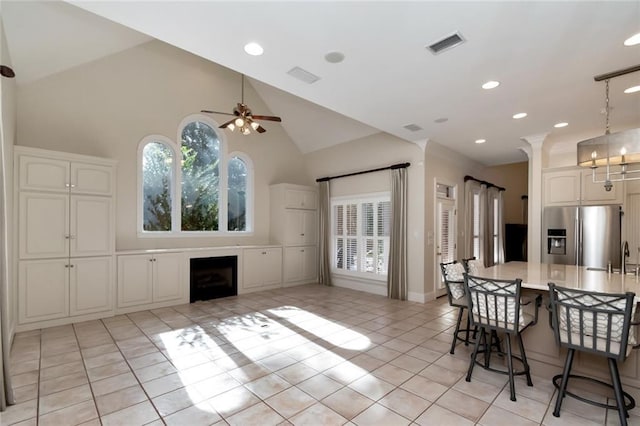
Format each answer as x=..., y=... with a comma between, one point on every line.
x=200, y=177
x=237, y=195
x=206, y=191
x=157, y=182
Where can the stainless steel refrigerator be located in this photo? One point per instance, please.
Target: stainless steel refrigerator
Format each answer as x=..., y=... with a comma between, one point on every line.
x=582, y=235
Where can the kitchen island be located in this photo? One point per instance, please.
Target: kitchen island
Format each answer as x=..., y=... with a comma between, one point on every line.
x=545, y=357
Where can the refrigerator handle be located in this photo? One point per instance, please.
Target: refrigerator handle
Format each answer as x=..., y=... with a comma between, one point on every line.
x=578, y=238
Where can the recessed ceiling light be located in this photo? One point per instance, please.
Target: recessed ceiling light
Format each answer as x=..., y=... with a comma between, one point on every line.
x=559, y=125
x=253, y=49
x=334, y=57
x=491, y=85
x=633, y=40
x=441, y=120
x=481, y=140
x=633, y=89
x=520, y=115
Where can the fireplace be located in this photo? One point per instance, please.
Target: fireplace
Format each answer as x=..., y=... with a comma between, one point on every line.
x=213, y=277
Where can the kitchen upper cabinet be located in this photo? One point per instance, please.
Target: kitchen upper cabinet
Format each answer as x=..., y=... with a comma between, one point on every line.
x=572, y=187
x=561, y=188
x=92, y=179
x=145, y=279
x=262, y=267
x=595, y=193
x=300, y=265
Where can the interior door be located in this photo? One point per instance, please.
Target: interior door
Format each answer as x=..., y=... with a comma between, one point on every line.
x=445, y=238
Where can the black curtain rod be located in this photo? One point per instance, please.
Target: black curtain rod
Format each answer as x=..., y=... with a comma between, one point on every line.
x=484, y=182
x=392, y=167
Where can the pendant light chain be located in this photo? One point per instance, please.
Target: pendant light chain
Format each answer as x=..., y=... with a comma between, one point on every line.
x=606, y=108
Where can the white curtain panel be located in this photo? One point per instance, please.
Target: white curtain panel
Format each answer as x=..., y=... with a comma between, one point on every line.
x=397, y=283
x=324, y=267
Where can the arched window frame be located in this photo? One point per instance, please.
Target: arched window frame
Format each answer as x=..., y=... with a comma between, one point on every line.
x=250, y=185
x=176, y=188
x=172, y=186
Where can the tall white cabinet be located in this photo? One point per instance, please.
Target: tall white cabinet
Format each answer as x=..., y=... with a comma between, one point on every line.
x=65, y=235
x=294, y=224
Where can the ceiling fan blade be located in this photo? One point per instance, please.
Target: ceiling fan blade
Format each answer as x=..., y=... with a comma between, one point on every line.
x=266, y=117
x=260, y=129
x=215, y=112
x=224, y=126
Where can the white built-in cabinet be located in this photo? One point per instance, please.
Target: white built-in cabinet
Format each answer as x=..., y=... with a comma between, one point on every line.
x=144, y=279
x=262, y=268
x=568, y=187
x=294, y=224
x=65, y=235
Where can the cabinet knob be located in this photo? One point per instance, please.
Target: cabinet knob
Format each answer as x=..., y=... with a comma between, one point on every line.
x=73, y=185
x=67, y=185
x=264, y=252
x=67, y=237
x=302, y=235
x=302, y=251
x=71, y=266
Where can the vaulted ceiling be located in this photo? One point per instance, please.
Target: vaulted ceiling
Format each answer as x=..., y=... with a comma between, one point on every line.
x=544, y=54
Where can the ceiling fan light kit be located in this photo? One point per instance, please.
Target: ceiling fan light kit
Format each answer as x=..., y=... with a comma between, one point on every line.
x=614, y=151
x=244, y=119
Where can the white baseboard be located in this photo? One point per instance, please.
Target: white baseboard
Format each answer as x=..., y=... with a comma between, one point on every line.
x=416, y=297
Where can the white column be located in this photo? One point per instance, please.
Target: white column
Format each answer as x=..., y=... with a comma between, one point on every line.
x=534, y=213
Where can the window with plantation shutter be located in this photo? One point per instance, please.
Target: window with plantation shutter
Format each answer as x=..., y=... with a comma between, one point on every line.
x=361, y=228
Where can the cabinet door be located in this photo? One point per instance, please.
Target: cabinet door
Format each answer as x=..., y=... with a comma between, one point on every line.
x=93, y=179
x=293, y=260
x=43, y=174
x=90, y=285
x=135, y=285
x=310, y=263
x=167, y=277
x=91, y=226
x=44, y=225
x=594, y=193
x=300, y=199
x=272, y=266
x=43, y=290
x=309, y=227
x=562, y=188
x=252, y=267
x=294, y=227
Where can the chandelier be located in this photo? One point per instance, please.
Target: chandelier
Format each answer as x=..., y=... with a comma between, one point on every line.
x=613, y=151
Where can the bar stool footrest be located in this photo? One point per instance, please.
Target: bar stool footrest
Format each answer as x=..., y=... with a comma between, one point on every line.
x=630, y=403
x=501, y=355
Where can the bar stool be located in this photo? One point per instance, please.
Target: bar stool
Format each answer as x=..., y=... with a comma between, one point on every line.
x=596, y=323
x=494, y=306
x=472, y=265
x=454, y=283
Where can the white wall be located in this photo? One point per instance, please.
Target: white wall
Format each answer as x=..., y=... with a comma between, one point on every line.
x=7, y=137
x=106, y=107
x=375, y=151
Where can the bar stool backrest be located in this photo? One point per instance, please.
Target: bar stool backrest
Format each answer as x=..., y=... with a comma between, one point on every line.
x=494, y=303
x=599, y=323
x=452, y=274
x=472, y=266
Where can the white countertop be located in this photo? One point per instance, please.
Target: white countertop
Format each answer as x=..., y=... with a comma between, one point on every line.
x=538, y=275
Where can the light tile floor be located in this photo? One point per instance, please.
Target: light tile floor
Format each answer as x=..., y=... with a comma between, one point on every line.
x=307, y=355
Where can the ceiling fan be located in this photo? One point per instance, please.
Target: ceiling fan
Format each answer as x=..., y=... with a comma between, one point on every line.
x=244, y=119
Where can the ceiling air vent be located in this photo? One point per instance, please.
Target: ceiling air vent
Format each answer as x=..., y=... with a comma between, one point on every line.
x=448, y=42
x=303, y=75
x=412, y=127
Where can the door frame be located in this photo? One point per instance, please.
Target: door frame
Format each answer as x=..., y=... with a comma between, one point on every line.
x=436, y=207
